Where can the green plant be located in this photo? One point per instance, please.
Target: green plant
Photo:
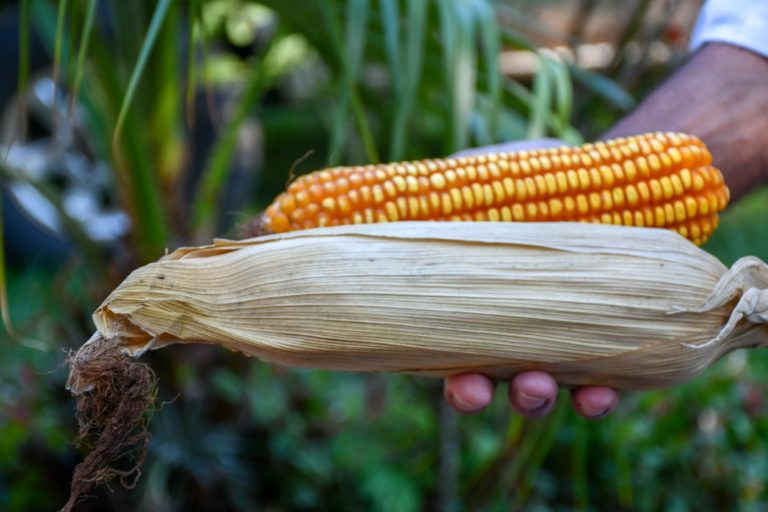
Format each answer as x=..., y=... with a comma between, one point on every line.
x=326, y=440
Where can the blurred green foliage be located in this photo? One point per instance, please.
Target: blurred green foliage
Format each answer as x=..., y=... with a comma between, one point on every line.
x=354, y=81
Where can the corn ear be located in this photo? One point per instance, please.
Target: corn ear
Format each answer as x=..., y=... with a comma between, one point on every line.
x=654, y=179
x=591, y=304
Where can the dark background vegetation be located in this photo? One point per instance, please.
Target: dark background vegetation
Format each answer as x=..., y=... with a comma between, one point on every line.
x=199, y=109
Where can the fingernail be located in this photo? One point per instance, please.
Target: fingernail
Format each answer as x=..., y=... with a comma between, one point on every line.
x=462, y=404
x=531, y=403
x=596, y=413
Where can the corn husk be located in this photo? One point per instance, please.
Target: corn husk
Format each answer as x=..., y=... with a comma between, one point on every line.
x=591, y=304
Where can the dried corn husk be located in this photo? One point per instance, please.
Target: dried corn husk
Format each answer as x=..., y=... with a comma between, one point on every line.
x=591, y=304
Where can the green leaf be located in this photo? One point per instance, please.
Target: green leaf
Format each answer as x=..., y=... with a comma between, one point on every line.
x=217, y=169
x=579, y=464
x=603, y=86
x=4, y=309
x=464, y=82
x=341, y=114
x=415, y=39
x=81, y=53
x=390, y=21
x=542, y=101
x=357, y=21
x=146, y=48
x=23, y=78
x=563, y=90
x=164, y=102
x=517, y=41
x=491, y=46
x=536, y=448
x=448, y=42
x=349, y=52
x=59, y=39
x=457, y=30
x=195, y=29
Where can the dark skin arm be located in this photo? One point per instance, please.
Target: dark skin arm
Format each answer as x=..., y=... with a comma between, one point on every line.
x=720, y=95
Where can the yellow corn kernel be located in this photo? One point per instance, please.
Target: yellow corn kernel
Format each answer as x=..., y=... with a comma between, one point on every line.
x=656, y=179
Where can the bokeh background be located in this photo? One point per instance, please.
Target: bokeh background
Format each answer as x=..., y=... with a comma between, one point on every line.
x=129, y=127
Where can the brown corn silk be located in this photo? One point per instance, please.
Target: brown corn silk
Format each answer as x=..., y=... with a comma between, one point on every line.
x=655, y=180
x=591, y=304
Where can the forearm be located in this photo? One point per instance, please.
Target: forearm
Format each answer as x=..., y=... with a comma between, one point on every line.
x=720, y=95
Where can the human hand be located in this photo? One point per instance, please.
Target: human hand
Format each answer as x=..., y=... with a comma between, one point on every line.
x=532, y=394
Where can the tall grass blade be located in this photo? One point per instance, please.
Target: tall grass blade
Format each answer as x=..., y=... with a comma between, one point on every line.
x=390, y=21
x=448, y=36
x=604, y=87
x=517, y=95
x=485, y=482
x=349, y=52
x=448, y=463
x=85, y=40
x=216, y=170
x=624, y=485
x=195, y=28
x=146, y=48
x=58, y=44
x=22, y=84
x=4, y=309
x=560, y=121
x=210, y=102
x=164, y=110
x=23, y=78
x=457, y=31
x=491, y=47
x=466, y=72
x=415, y=42
x=132, y=162
x=538, y=453
x=579, y=465
x=341, y=113
x=516, y=41
x=563, y=94
x=542, y=100
x=357, y=18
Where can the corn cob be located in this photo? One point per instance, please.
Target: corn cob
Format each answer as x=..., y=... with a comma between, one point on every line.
x=656, y=180
x=591, y=304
